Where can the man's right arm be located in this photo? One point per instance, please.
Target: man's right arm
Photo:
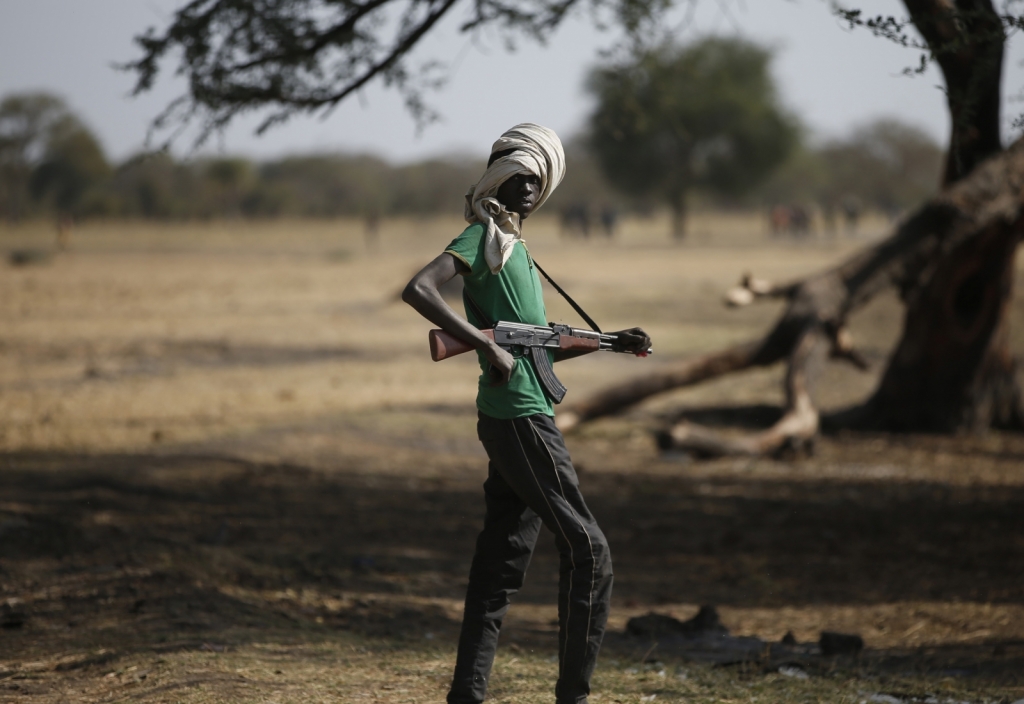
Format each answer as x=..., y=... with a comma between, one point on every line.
x=422, y=294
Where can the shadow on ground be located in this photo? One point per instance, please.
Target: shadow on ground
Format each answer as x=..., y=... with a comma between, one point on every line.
x=103, y=555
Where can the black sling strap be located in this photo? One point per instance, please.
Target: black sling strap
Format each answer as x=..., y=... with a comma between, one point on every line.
x=552, y=386
x=478, y=312
x=483, y=317
x=566, y=296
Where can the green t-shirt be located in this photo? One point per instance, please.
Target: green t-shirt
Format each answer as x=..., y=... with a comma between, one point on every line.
x=514, y=295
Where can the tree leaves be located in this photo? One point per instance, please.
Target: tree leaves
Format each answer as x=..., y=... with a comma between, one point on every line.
x=700, y=116
x=307, y=56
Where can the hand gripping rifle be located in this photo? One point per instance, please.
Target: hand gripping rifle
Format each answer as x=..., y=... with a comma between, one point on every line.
x=519, y=339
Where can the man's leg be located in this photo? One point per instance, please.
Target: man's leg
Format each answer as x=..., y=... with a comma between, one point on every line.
x=503, y=551
x=530, y=454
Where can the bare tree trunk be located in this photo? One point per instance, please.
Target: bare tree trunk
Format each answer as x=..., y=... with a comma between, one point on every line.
x=966, y=38
x=952, y=369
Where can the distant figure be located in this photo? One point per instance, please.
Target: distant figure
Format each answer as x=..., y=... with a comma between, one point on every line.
x=852, y=209
x=793, y=219
x=609, y=220
x=799, y=221
x=576, y=220
x=893, y=212
x=371, y=230
x=778, y=219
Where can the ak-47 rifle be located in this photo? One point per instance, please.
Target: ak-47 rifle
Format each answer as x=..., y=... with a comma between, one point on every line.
x=520, y=339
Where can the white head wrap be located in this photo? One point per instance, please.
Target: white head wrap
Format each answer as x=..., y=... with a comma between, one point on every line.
x=538, y=151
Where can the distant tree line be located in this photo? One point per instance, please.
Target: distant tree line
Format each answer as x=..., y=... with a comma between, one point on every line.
x=887, y=166
x=313, y=186
x=51, y=165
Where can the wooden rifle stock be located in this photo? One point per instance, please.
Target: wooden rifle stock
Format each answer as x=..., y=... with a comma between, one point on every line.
x=444, y=345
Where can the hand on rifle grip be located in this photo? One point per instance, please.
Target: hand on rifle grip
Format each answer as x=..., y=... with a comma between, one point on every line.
x=501, y=365
x=494, y=375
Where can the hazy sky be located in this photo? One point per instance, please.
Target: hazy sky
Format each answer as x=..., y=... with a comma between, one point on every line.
x=834, y=79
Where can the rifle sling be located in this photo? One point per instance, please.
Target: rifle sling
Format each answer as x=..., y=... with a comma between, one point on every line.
x=488, y=323
x=566, y=296
x=478, y=312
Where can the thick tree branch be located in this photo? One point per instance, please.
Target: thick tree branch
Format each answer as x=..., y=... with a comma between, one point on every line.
x=991, y=197
x=751, y=288
x=390, y=60
x=334, y=35
x=302, y=56
x=797, y=427
x=686, y=373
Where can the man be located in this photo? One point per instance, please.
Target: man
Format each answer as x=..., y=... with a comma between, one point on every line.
x=530, y=479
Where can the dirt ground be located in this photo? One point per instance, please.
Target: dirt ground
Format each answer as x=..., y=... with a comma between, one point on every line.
x=229, y=472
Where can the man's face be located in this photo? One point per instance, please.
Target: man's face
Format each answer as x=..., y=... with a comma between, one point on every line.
x=519, y=194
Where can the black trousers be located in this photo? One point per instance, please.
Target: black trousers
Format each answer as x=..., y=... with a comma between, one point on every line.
x=531, y=481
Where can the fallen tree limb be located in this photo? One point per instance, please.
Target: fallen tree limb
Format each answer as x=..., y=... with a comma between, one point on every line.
x=693, y=371
x=796, y=429
x=937, y=243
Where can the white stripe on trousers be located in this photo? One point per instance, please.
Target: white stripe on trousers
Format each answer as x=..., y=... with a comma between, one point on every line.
x=554, y=516
x=593, y=557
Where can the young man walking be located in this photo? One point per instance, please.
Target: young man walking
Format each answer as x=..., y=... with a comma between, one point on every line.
x=530, y=479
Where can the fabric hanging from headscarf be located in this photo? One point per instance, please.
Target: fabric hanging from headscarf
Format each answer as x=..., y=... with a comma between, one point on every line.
x=538, y=151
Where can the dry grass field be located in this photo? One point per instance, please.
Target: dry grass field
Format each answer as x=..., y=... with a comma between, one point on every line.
x=229, y=472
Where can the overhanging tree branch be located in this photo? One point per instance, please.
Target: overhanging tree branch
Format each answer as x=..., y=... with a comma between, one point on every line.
x=305, y=56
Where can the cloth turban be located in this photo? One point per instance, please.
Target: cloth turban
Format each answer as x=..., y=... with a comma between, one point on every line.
x=537, y=151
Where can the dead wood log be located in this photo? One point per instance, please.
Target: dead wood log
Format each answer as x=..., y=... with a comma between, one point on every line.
x=795, y=430
x=689, y=372
x=981, y=214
